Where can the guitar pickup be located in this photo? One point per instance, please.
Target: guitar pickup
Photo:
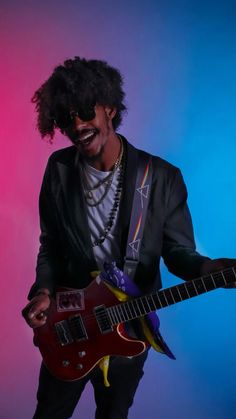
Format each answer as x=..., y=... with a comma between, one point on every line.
x=103, y=320
x=63, y=333
x=77, y=328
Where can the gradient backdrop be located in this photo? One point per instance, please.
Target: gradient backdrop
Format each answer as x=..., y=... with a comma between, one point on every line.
x=178, y=59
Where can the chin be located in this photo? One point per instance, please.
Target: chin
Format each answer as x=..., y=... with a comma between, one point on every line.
x=92, y=154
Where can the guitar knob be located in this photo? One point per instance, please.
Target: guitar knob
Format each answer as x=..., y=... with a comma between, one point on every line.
x=79, y=366
x=65, y=363
x=81, y=354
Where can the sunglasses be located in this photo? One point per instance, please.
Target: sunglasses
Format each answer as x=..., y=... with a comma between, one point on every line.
x=65, y=120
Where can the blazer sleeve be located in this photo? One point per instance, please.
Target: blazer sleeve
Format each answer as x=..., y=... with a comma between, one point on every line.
x=179, y=249
x=49, y=255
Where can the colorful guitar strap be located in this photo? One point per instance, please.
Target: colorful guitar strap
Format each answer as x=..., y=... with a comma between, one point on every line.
x=122, y=283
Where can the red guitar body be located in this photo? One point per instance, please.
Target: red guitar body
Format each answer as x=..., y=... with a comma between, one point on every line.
x=73, y=360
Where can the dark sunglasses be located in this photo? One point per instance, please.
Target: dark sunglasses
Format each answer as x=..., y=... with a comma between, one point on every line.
x=64, y=120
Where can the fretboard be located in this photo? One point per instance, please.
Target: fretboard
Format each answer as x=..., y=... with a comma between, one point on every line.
x=138, y=307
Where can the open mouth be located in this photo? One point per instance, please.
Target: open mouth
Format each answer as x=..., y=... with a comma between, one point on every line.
x=86, y=136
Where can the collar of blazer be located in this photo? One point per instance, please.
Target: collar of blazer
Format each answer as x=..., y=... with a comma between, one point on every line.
x=72, y=203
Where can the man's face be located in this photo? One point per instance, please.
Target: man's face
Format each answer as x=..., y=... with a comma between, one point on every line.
x=91, y=137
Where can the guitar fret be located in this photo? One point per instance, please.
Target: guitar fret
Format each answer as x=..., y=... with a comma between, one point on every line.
x=137, y=305
x=162, y=299
x=222, y=276
x=175, y=294
x=151, y=302
x=165, y=297
x=203, y=283
x=120, y=312
x=126, y=313
x=195, y=287
x=191, y=289
x=131, y=316
x=218, y=279
x=116, y=314
x=172, y=295
x=179, y=293
x=213, y=280
x=185, y=286
x=110, y=317
x=111, y=311
x=182, y=291
x=133, y=308
x=229, y=276
x=200, y=286
x=169, y=297
x=144, y=309
x=158, y=303
x=146, y=305
x=208, y=282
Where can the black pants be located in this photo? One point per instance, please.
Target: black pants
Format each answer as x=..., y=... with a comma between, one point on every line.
x=57, y=399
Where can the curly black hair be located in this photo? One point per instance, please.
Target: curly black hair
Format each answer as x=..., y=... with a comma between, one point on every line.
x=78, y=84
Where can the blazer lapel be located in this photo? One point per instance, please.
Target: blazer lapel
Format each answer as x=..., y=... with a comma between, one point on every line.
x=75, y=209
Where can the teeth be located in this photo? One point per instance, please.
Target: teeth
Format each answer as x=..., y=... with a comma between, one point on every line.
x=87, y=136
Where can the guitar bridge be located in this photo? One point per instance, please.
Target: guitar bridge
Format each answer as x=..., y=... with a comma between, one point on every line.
x=103, y=319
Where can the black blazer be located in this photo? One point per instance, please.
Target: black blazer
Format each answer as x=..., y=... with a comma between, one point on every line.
x=66, y=255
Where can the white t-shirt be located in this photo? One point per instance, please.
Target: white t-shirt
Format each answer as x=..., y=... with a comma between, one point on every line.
x=98, y=216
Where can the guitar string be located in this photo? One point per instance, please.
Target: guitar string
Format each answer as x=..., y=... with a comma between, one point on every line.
x=217, y=275
x=139, y=299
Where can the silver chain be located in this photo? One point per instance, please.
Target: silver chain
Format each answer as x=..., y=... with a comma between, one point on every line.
x=88, y=191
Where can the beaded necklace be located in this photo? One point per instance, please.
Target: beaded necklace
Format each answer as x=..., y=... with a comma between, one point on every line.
x=113, y=211
x=119, y=165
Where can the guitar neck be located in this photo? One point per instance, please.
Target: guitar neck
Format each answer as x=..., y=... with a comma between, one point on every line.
x=138, y=307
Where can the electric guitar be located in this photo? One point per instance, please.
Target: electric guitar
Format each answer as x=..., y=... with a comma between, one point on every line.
x=87, y=324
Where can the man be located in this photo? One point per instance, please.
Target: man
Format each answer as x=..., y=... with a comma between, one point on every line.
x=85, y=208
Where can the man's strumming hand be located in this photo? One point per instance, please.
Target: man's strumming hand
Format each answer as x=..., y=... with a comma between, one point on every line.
x=35, y=312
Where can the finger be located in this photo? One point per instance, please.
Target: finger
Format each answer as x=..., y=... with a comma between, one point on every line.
x=38, y=313
x=37, y=309
x=38, y=320
x=26, y=309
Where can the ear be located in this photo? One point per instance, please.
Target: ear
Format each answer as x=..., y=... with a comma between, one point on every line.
x=110, y=112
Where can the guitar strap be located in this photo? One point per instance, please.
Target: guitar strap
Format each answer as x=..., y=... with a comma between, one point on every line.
x=121, y=283
x=138, y=213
